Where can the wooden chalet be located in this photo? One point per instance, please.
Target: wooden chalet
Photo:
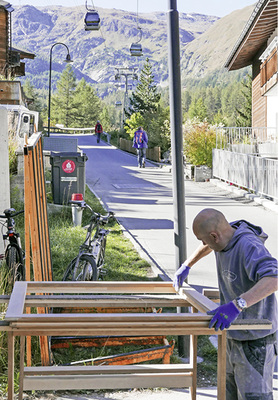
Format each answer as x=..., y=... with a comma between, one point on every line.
x=11, y=64
x=257, y=46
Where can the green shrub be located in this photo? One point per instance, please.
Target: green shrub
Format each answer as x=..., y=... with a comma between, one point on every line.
x=199, y=138
x=13, y=145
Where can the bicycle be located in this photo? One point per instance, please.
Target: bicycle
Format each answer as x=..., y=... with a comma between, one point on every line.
x=88, y=265
x=14, y=254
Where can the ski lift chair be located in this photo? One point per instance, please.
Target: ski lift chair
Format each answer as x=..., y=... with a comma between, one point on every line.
x=92, y=21
x=136, y=48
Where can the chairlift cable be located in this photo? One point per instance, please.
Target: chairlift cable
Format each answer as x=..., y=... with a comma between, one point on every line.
x=99, y=27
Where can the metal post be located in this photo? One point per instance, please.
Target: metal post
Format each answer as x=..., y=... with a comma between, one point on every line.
x=177, y=149
x=68, y=59
x=49, y=93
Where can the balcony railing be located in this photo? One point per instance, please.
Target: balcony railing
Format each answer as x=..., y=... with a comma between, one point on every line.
x=248, y=140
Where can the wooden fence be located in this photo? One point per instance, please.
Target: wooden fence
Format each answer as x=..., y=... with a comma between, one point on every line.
x=153, y=154
x=36, y=227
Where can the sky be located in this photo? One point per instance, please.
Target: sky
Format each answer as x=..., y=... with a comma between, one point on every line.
x=218, y=8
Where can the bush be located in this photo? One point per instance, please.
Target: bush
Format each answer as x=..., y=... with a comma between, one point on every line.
x=199, y=138
x=13, y=145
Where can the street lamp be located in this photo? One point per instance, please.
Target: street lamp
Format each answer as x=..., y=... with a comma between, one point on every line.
x=67, y=60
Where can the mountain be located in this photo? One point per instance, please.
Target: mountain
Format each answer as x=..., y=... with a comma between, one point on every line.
x=209, y=51
x=96, y=52
x=205, y=41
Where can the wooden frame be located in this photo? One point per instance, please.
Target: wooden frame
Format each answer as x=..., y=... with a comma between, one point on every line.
x=128, y=324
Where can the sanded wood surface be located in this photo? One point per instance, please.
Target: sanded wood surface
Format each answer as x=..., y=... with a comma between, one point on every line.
x=112, y=381
x=111, y=323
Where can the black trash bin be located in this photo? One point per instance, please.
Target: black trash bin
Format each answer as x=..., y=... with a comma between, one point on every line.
x=68, y=175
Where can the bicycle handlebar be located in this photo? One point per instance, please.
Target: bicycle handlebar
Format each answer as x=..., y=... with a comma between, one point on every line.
x=8, y=213
x=103, y=218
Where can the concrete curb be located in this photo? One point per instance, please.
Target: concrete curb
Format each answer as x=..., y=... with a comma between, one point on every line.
x=268, y=204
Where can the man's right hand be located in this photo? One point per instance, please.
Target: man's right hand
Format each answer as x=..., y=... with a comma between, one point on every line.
x=180, y=276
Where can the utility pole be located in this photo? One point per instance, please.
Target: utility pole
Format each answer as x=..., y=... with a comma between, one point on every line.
x=126, y=72
x=177, y=150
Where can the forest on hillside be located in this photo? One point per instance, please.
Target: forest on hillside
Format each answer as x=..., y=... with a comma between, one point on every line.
x=76, y=103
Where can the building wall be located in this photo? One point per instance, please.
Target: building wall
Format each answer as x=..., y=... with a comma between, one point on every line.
x=3, y=39
x=4, y=167
x=259, y=104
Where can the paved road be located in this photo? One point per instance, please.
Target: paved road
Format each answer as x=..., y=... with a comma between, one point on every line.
x=142, y=201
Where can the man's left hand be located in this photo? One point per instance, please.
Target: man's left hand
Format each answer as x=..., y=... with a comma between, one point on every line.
x=223, y=316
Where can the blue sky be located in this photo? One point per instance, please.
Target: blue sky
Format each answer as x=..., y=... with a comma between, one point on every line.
x=219, y=8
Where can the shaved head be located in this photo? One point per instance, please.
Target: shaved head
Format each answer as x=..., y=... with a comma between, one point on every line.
x=209, y=220
x=211, y=227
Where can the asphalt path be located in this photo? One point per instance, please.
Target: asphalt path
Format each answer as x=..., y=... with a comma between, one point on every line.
x=142, y=201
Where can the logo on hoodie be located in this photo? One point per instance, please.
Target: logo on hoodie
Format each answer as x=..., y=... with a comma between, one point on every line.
x=230, y=276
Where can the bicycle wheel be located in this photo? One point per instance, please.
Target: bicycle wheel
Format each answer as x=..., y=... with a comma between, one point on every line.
x=101, y=254
x=15, y=265
x=90, y=272
x=68, y=275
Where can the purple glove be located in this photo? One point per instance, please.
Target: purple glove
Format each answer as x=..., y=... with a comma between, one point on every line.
x=180, y=276
x=223, y=316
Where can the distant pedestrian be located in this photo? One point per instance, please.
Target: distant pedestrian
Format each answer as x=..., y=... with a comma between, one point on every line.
x=140, y=142
x=98, y=130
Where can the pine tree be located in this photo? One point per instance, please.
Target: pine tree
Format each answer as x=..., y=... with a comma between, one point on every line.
x=31, y=94
x=64, y=107
x=88, y=105
x=244, y=114
x=145, y=97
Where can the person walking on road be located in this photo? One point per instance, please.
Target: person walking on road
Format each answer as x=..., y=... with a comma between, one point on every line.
x=140, y=142
x=247, y=279
x=98, y=130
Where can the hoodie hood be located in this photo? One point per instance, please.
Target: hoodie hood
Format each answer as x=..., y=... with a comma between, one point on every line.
x=245, y=228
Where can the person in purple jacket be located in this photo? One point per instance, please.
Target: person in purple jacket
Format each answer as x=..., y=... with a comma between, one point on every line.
x=140, y=142
x=247, y=279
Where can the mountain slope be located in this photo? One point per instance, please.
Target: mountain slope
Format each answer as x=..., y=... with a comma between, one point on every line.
x=210, y=50
x=205, y=41
x=96, y=52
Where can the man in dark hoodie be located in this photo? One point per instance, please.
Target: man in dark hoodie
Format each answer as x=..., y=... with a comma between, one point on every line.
x=247, y=279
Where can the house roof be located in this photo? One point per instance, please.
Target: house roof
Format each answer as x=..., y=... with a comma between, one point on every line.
x=24, y=53
x=260, y=26
x=6, y=5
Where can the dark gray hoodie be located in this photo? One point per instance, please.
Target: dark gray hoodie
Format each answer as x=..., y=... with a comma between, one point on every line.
x=242, y=263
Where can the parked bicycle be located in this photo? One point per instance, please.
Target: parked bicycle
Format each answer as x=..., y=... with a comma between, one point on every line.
x=14, y=254
x=88, y=265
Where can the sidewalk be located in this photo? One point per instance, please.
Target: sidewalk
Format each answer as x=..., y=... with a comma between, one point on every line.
x=143, y=204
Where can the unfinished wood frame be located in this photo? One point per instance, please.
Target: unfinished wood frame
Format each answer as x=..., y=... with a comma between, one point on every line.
x=128, y=324
x=36, y=226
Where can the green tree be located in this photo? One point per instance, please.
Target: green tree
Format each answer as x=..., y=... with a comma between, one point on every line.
x=88, y=105
x=199, y=140
x=198, y=109
x=64, y=109
x=145, y=98
x=244, y=113
x=146, y=111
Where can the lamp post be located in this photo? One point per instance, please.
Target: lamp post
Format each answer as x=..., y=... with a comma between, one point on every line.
x=68, y=60
x=177, y=150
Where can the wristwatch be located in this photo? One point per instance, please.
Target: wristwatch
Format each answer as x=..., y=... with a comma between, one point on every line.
x=241, y=303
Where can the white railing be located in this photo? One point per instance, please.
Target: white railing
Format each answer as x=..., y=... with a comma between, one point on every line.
x=257, y=174
x=61, y=129
x=247, y=139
